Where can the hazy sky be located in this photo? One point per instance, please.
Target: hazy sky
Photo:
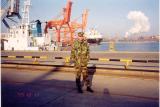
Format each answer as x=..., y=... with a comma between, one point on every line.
x=108, y=16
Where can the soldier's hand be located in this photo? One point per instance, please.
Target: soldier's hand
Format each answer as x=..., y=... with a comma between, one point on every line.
x=71, y=62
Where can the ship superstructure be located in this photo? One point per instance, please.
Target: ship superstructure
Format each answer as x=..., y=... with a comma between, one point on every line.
x=93, y=36
x=25, y=35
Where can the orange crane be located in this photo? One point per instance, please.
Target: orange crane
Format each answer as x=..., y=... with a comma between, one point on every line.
x=74, y=26
x=57, y=24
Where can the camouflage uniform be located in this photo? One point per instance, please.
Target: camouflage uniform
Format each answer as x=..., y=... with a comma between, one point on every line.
x=80, y=56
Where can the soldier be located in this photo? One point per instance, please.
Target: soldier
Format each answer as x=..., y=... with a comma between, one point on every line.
x=80, y=57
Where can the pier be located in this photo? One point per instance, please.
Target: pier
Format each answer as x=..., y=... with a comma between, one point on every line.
x=38, y=79
x=147, y=61
x=52, y=88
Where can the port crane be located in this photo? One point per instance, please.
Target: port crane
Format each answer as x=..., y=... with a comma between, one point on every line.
x=75, y=25
x=66, y=26
x=58, y=24
x=9, y=9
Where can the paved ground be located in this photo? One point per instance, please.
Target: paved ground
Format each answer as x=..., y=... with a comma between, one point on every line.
x=26, y=88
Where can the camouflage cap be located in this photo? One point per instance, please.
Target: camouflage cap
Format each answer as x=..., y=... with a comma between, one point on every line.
x=81, y=34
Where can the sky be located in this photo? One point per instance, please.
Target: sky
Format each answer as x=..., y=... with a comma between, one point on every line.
x=109, y=17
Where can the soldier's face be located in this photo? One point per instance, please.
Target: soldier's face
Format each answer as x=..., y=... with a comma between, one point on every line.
x=80, y=38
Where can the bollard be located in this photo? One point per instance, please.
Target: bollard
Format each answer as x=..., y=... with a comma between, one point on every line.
x=35, y=61
x=127, y=61
x=67, y=59
x=111, y=46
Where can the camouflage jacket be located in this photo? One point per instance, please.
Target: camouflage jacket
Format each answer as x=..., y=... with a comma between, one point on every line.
x=80, y=53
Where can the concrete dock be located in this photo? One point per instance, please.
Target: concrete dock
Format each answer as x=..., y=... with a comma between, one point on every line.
x=47, y=88
x=47, y=79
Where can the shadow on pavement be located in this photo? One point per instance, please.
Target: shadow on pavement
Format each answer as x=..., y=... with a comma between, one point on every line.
x=36, y=94
x=91, y=72
x=41, y=92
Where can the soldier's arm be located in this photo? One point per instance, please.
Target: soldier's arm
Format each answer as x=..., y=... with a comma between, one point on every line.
x=88, y=53
x=73, y=52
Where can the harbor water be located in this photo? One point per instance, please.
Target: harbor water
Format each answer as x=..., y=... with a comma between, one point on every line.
x=127, y=46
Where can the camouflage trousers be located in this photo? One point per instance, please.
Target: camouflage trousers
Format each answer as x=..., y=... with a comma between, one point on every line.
x=84, y=72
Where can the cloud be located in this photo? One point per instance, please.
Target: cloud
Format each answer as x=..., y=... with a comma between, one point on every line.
x=141, y=23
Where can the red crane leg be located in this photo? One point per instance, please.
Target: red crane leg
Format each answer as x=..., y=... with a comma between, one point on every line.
x=71, y=41
x=58, y=35
x=65, y=34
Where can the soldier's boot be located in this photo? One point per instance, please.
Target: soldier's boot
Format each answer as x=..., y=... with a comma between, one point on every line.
x=78, y=84
x=89, y=89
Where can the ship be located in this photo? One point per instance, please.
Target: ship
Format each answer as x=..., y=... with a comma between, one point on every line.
x=93, y=37
x=25, y=35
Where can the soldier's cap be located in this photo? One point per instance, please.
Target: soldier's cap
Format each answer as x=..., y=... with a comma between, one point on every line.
x=80, y=34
